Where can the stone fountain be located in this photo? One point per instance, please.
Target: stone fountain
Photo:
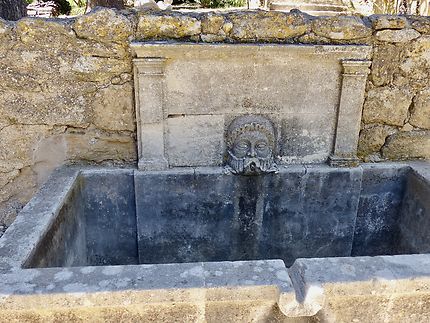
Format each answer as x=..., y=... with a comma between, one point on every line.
x=248, y=203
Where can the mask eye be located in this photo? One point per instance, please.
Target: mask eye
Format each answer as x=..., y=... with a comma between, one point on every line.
x=242, y=145
x=261, y=145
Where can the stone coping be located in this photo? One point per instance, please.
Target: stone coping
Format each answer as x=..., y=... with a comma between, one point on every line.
x=232, y=26
x=142, y=49
x=302, y=290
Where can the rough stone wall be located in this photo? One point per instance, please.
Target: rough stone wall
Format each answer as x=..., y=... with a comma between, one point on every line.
x=66, y=94
x=66, y=91
x=396, y=114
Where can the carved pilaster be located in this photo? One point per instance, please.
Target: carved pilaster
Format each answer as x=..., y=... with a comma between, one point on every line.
x=354, y=78
x=149, y=84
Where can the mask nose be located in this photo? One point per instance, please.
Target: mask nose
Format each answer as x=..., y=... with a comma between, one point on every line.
x=251, y=151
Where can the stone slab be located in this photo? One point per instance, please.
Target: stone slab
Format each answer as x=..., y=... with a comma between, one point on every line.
x=213, y=216
x=307, y=138
x=195, y=140
x=202, y=78
x=377, y=228
x=367, y=289
x=172, y=292
x=177, y=216
x=20, y=240
x=415, y=215
x=109, y=209
x=297, y=86
x=63, y=243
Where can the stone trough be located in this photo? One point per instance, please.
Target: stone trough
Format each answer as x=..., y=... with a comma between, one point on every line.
x=124, y=217
x=200, y=242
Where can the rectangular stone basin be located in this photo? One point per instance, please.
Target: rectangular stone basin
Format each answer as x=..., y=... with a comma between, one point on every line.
x=122, y=217
x=204, y=228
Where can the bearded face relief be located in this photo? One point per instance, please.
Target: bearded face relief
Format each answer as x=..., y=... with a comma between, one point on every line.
x=251, y=144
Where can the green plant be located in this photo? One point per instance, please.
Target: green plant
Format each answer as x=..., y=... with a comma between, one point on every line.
x=222, y=3
x=78, y=7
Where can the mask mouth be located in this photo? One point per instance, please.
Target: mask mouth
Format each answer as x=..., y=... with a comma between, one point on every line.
x=251, y=166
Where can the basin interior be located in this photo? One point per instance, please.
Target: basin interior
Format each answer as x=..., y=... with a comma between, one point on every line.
x=130, y=217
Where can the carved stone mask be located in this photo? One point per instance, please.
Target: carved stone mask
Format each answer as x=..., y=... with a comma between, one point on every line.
x=251, y=144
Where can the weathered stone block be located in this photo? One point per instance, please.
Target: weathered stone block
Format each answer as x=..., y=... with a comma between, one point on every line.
x=167, y=25
x=388, y=22
x=7, y=177
x=267, y=26
x=397, y=36
x=45, y=33
x=15, y=79
x=114, y=108
x=212, y=23
x=104, y=25
x=385, y=63
x=387, y=105
x=407, y=127
x=63, y=108
x=372, y=139
x=98, y=146
x=17, y=143
x=15, y=194
x=195, y=140
x=407, y=145
x=341, y=28
x=51, y=68
x=420, y=24
x=387, y=288
x=312, y=38
x=420, y=48
x=306, y=138
x=99, y=69
x=420, y=113
x=99, y=49
x=5, y=29
x=416, y=66
x=91, y=145
x=231, y=311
